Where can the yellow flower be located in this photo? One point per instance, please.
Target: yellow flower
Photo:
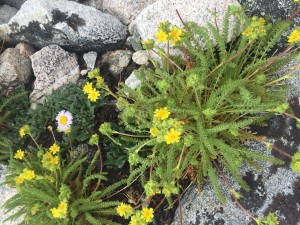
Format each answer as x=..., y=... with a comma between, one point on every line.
x=147, y=214
x=47, y=156
x=19, y=179
x=172, y=136
x=175, y=34
x=88, y=87
x=262, y=22
x=28, y=174
x=161, y=36
x=248, y=32
x=24, y=130
x=294, y=36
x=54, y=148
x=68, y=130
x=124, y=210
x=100, y=81
x=134, y=220
x=93, y=95
x=55, y=213
x=61, y=211
x=154, y=131
x=54, y=160
x=296, y=0
x=162, y=113
x=19, y=154
x=62, y=207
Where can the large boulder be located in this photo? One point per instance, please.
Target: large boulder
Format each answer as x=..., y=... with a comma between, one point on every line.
x=53, y=68
x=199, y=11
x=66, y=23
x=13, y=3
x=6, y=12
x=97, y=4
x=126, y=10
x=15, y=66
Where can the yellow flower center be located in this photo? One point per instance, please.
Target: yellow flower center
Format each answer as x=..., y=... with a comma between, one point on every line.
x=172, y=136
x=63, y=120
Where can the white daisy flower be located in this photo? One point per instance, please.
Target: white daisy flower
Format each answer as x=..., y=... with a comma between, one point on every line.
x=64, y=120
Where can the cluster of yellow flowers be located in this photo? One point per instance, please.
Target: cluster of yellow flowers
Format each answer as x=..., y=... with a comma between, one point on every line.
x=256, y=29
x=24, y=130
x=165, y=128
x=61, y=211
x=165, y=33
x=93, y=93
x=50, y=161
x=89, y=89
x=26, y=175
x=137, y=217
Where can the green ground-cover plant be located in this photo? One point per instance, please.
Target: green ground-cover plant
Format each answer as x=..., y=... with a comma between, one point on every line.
x=192, y=112
x=11, y=103
x=55, y=187
x=70, y=98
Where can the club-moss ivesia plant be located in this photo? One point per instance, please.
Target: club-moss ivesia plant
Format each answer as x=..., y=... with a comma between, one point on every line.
x=191, y=113
x=53, y=185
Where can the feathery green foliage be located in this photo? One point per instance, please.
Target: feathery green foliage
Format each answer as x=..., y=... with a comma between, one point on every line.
x=54, y=187
x=195, y=109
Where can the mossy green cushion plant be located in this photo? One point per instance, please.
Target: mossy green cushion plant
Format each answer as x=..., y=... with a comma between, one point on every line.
x=194, y=109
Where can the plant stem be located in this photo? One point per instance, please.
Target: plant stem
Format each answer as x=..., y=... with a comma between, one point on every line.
x=188, y=64
x=287, y=76
x=271, y=61
x=169, y=59
x=291, y=116
x=34, y=141
x=152, y=162
x=234, y=197
x=159, y=204
x=294, y=14
x=282, y=152
x=130, y=135
x=180, y=208
x=100, y=156
x=69, y=137
x=230, y=59
x=180, y=17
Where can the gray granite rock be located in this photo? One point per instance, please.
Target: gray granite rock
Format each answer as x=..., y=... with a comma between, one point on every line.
x=13, y=3
x=53, y=68
x=65, y=23
x=273, y=9
x=274, y=189
x=132, y=81
x=135, y=42
x=25, y=49
x=6, y=12
x=6, y=193
x=165, y=10
x=116, y=61
x=126, y=10
x=90, y=59
x=140, y=57
x=15, y=67
x=97, y=4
